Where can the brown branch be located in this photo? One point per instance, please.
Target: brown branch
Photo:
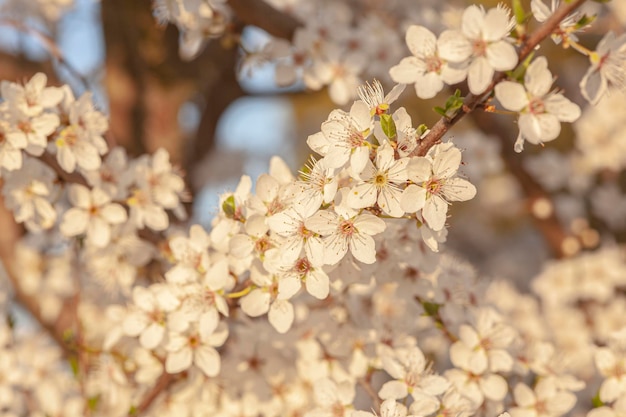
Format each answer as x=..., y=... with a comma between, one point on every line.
x=472, y=101
x=11, y=233
x=164, y=381
x=260, y=14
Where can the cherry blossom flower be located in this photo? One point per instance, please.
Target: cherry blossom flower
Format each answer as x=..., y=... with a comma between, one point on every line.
x=93, y=214
x=341, y=233
x=544, y=401
x=541, y=111
x=33, y=97
x=197, y=348
x=412, y=376
x=482, y=41
x=344, y=138
x=373, y=96
x=381, y=183
x=388, y=408
x=426, y=69
x=29, y=192
x=290, y=225
x=607, y=68
x=435, y=183
x=148, y=316
x=567, y=26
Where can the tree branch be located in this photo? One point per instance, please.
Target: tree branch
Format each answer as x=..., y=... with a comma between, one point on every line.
x=260, y=14
x=472, y=101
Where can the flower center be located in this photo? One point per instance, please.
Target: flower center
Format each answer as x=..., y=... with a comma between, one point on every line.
x=479, y=47
x=347, y=228
x=433, y=64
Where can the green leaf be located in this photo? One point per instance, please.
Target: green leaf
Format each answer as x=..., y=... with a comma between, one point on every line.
x=431, y=309
x=133, y=410
x=585, y=21
x=518, y=11
x=440, y=110
x=421, y=129
x=228, y=207
x=92, y=402
x=388, y=125
x=520, y=71
x=596, y=401
x=73, y=360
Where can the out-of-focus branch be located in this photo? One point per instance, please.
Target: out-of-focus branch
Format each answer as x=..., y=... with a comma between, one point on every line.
x=260, y=14
x=472, y=101
x=561, y=243
x=11, y=233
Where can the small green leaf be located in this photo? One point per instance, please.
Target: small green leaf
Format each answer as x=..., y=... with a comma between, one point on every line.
x=520, y=71
x=388, y=125
x=431, y=309
x=133, y=410
x=92, y=402
x=584, y=21
x=440, y=110
x=596, y=401
x=518, y=11
x=228, y=207
x=73, y=360
x=421, y=129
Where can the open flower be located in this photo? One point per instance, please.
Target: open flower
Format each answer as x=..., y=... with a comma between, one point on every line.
x=608, y=68
x=483, y=42
x=426, y=69
x=435, y=183
x=541, y=111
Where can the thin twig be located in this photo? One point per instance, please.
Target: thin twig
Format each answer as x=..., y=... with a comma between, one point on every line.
x=472, y=101
x=50, y=45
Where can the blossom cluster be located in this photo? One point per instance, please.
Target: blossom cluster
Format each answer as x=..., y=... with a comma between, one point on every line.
x=328, y=293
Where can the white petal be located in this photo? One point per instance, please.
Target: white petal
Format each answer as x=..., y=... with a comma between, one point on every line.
x=256, y=303
x=428, y=85
x=472, y=22
x=421, y=41
x=281, y=315
x=479, y=75
x=407, y=71
x=152, y=336
x=493, y=386
x=393, y=390
x=502, y=56
x=453, y=46
x=369, y=224
x=511, y=95
x=413, y=198
x=497, y=24
x=562, y=108
x=75, y=222
x=538, y=78
x=318, y=284
x=435, y=211
x=363, y=248
x=207, y=359
x=361, y=196
x=458, y=189
x=178, y=361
